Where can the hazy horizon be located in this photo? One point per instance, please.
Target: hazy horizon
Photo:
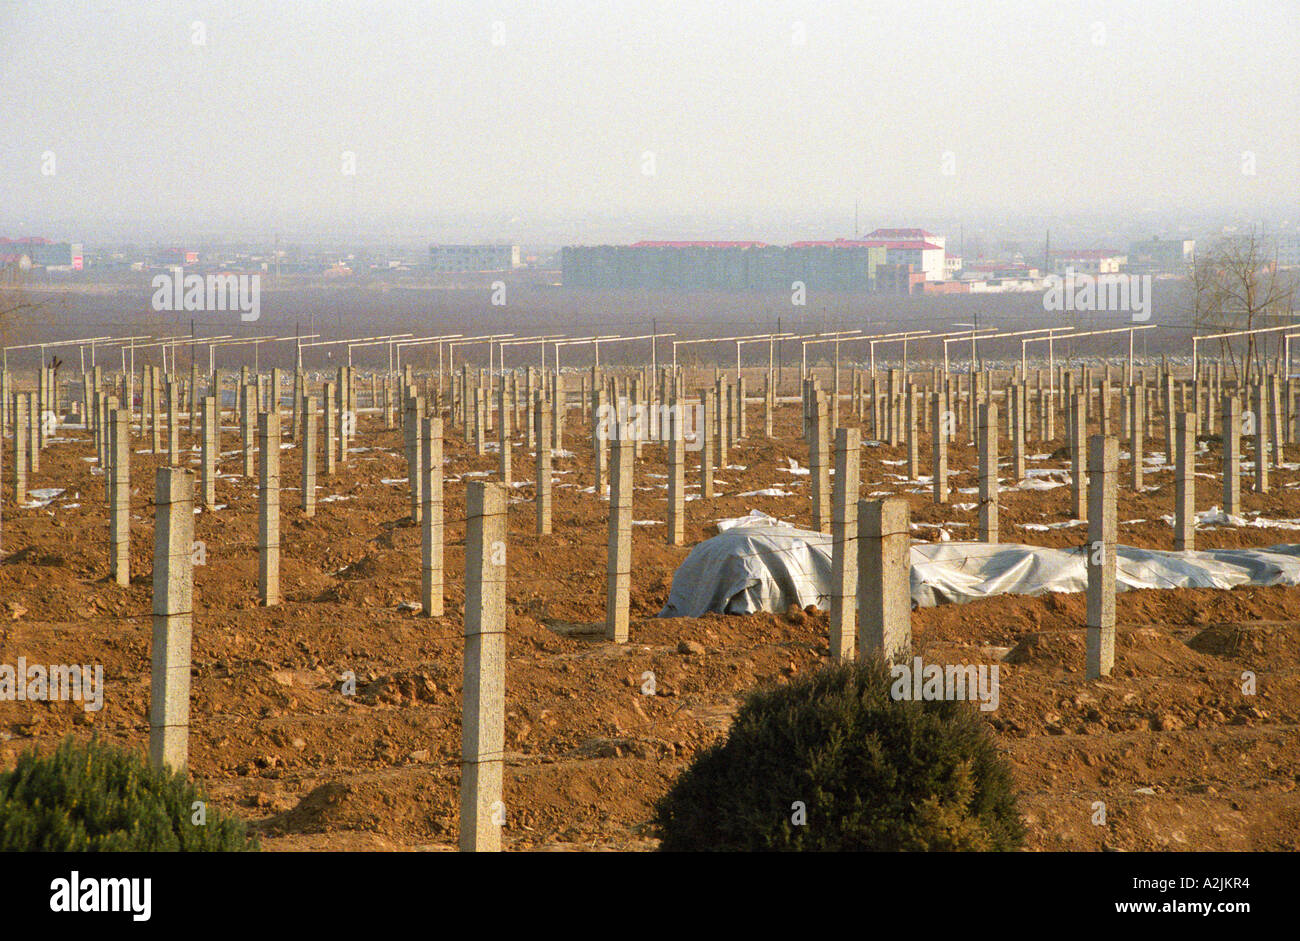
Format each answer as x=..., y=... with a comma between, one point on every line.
x=567, y=122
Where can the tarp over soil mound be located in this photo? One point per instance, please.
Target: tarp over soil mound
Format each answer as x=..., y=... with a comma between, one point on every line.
x=759, y=564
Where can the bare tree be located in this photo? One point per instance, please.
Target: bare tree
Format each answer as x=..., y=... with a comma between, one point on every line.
x=1237, y=286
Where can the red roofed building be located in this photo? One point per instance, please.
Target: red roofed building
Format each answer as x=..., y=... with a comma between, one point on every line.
x=923, y=250
x=679, y=244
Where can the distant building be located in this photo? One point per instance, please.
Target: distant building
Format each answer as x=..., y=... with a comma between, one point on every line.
x=924, y=251
x=42, y=253
x=473, y=257
x=907, y=235
x=1088, y=261
x=1161, y=256
x=999, y=271
x=838, y=265
x=1288, y=250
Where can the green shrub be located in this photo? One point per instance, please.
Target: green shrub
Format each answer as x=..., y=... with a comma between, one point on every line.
x=872, y=772
x=95, y=798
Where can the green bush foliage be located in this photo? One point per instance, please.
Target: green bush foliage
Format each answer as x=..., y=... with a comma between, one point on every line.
x=873, y=773
x=97, y=798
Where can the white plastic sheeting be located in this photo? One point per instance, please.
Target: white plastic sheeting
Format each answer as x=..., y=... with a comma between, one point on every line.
x=757, y=563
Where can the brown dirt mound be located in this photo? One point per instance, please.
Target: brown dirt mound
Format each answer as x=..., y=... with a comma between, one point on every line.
x=1264, y=644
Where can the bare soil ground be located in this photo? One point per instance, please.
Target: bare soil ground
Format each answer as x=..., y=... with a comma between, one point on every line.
x=1180, y=756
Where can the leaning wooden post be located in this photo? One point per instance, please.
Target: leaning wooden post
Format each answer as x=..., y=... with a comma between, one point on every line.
x=844, y=543
x=173, y=605
x=482, y=742
x=618, y=572
x=268, y=536
x=431, y=542
x=884, y=579
x=1103, y=472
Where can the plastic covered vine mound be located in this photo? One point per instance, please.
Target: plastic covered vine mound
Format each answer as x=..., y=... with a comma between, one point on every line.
x=96, y=798
x=832, y=762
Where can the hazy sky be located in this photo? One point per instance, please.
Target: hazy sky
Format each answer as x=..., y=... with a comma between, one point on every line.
x=225, y=117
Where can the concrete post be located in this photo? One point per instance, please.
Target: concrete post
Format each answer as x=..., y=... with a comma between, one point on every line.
x=542, y=425
x=431, y=542
x=742, y=426
x=482, y=742
x=6, y=402
x=1263, y=423
x=618, y=571
x=939, y=446
x=1078, y=424
x=309, y=435
x=1103, y=473
x=208, y=454
x=884, y=579
x=173, y=423
x=1170, y=417
x=1019, y=416
x=34, y=431
x=819, y=462
x=706, y=451
x=347, y=417
x=913, y=435
x=1276, y=435
x=480, y=422
x=505, y=410
x=676, y=476
x=248, y=426
x=299, y=393
x=173, y=604
x=268, y=505
x=119, y=512
x=155, y=409
x=722, y=403
x=1232, y=455
x=599, y=445
x=331, y=430
x=769, y=403
x=414, y=454
x=559, y=403
x=1137, y=425
x=1185, y=482
x=20, y=448
x=844, y=539
x=988, y=471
